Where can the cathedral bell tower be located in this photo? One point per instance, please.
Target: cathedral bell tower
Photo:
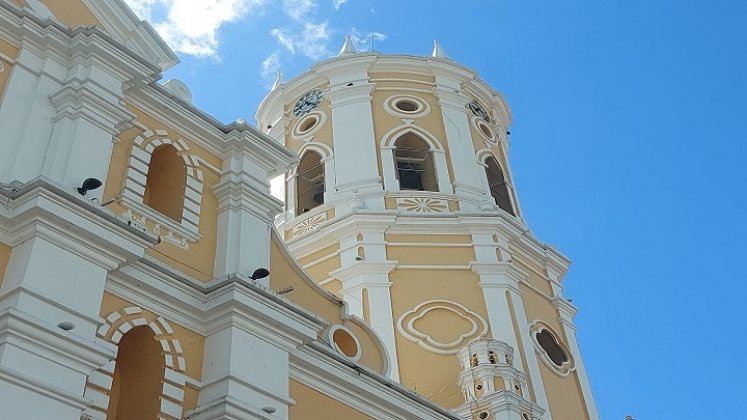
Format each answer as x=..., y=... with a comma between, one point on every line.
x=404, y=205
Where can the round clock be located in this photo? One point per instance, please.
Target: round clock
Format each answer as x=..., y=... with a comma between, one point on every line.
x=308, y=102
x=478, y=111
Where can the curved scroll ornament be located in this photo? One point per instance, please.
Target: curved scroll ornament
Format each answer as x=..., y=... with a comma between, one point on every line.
x=407, y=326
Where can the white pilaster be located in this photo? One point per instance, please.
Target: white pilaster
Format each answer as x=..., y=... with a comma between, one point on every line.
x=353, y=130
x=468, y=177
x=245, y=215
x=373, y=276
x=566, y=313
x=500, y=285
x=244, y=377
x=26, y=116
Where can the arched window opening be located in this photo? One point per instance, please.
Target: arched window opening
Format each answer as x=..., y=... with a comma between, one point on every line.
x=498, y=187
x=309, y=182
x=138, y=373
x=414, y=162
x=166, y=182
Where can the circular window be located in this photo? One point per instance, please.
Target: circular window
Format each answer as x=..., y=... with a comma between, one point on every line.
x=525, y=416
x=485, y=130
x=406, y=106
x=309, y=125
x=484, y=415
x=344, y=341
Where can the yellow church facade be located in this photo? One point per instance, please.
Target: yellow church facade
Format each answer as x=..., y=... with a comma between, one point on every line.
x=147, y=272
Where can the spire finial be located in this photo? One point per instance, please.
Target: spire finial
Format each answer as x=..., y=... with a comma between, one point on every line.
x=348, y=47
x=278, y=80
x=438, y=51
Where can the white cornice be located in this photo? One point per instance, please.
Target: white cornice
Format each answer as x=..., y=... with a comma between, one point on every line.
x=128, y=29
x=49, y=38
x=363, y=267
x=362, y=389
x=218, y=138
x=43, y=208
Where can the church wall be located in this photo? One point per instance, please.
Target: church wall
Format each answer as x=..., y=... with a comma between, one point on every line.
x=72, y=13
x=313, y=405
x=411, y=288
x=306, y=293
x=199, y=260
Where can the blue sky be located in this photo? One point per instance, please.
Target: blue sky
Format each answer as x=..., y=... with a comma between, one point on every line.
x=628, y=153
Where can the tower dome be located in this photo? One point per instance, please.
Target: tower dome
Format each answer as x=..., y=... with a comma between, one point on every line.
x=403, y=204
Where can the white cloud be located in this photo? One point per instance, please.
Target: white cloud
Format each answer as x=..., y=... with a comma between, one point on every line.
x=312, y=40
x=363, y=40
x=338, y=3
x=299, y=9
x=285, y=39
x=271, y=65
x=191, y=26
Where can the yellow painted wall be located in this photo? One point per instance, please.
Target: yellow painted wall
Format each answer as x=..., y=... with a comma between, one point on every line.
x=5, y=252
x=430, y=255
x=11, y=52
x=429, y=374
x=199, y=260
x=321, y=271
x=428, y=238
x=313, y=405
x=72, y=13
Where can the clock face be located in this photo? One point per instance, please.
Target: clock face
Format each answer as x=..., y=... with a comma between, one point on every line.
x=308, y=102
x=478, y=111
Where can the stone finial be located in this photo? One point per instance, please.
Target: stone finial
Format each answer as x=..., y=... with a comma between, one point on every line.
x=347, y=47
x=438, y=51
x=278, y=80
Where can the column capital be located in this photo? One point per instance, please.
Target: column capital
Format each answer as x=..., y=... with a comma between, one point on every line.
x=500, y=268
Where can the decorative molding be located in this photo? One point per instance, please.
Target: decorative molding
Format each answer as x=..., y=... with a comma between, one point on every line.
x=406, y=326
x=568, y=366
x=99, y=383
x=330, y=339
x=422, y=205
x=310, y=224
x=422, y=107
x=306, y=135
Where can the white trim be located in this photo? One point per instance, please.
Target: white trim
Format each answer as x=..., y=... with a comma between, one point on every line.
x=569, y=366
x=321, y=120
x=178, y=233
x=390, y=106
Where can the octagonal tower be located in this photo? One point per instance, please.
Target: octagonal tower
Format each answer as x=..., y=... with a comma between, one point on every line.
x=403, y=204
